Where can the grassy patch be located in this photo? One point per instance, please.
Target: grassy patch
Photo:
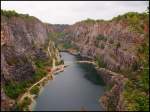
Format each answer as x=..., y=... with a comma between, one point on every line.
x=35, y=90
x=100, y=62
x=39, y=74
x=24, y=105
x=13, y=90
x=136, y=100
x=137, y=89
x=67, y=45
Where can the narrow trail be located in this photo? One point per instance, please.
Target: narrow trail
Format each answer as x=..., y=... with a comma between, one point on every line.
x=27, y=93
x=90, y=62
x=54, y=70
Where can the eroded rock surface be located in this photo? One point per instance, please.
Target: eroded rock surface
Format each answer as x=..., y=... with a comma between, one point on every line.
x=116, y=46
x=113, y=98
x=23, y=39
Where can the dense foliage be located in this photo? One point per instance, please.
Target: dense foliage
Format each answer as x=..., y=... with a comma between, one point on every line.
x=88, y=21
x=100, y=63
x=12, y=13
x=136, y=92
x=13, y=90
x=35, y=90
x=101, y=37
x=40, y=69
x=24, y=105
x=137, y=89
x=134, y=20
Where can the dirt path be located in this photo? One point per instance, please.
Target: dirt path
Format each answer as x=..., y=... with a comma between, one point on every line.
x=27, y=93
x=90, y=62
x=50, y=74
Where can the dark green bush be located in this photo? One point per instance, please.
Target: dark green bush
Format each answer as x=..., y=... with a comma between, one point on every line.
x=135, y=66
x=144, y=80
x=102, y=46
x=9, y=13
x=26, y=102
x=35, y=90
x=100, y=62
x=100, y=37
x=39, y=74
x=118, y=45
x=42, y=63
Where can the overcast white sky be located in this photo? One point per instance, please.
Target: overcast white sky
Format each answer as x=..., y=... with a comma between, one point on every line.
x=69, y=12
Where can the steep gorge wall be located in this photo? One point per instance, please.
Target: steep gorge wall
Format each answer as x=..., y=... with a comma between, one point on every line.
x=113, y=99
x=116, y=44
x=85, y=36
x=26, y=38
x=23, y=40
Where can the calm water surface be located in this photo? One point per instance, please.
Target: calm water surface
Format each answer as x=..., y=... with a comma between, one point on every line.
x=77, y=87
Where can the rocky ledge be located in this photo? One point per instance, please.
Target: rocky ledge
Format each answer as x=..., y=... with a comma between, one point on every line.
x=113, y=98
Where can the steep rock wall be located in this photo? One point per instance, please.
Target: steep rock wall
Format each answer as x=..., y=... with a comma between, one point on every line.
x=23, y=39
x=85, y=36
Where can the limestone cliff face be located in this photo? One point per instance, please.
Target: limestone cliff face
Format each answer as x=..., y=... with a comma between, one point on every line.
x=113, y=99
x=85, y=36
x=114, y=42
x=55, y=27
x=22, y=40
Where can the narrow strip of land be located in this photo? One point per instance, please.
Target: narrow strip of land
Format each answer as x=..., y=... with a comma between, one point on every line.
x=90, y=62
x=54, y=70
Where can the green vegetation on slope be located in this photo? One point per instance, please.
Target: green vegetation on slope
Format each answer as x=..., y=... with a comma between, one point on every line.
x=67, y=45
x=13, y=90
x=12, y=13
x=88, y=21
x=40, y=69
x=135, y=20
x=136, y=92
x=24, y=105
x=137, y=89
x=35, y=90
x=55, y=35
x=101, y=37
x=100, y=63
